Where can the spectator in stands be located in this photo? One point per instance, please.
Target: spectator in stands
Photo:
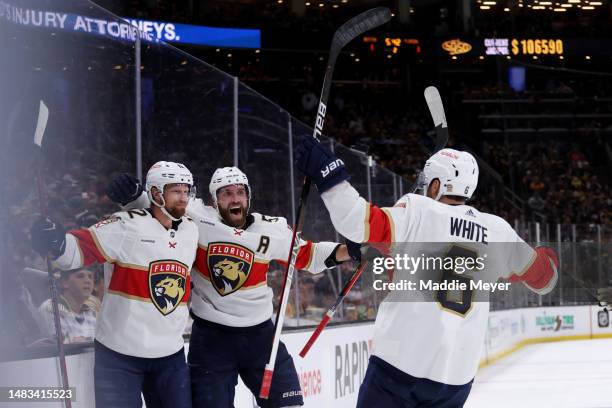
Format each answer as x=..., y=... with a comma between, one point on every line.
x=78, y=308
x=99, y=286
x=536, y=202
x=307, y=294
x=19, y=315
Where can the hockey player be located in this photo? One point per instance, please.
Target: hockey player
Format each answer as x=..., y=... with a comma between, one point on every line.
x=232, y=303
x=426, y=353
x=139, y=335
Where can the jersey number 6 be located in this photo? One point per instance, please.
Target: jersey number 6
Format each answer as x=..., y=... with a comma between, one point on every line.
x=458, y=302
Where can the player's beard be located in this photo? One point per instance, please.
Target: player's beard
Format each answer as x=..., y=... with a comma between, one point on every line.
x=233, y=219
x=176, y=212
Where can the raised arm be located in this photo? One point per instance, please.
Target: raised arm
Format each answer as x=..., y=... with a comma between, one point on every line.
x=351, y=215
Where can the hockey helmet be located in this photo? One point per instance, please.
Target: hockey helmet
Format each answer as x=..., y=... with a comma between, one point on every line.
x=228, y=176
x=456, y=170
x=163, y=173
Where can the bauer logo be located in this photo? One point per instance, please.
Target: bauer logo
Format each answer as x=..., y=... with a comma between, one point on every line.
x=229, y=266
x=320, y=120
x=167, y=284
x=350, y=365
x=331, y=167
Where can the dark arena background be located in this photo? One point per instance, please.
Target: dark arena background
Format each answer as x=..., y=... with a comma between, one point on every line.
x=527, y=90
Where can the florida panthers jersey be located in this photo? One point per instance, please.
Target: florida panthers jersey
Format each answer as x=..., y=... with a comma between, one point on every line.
x=230, y=273
x=432, y=339
x=144, y=311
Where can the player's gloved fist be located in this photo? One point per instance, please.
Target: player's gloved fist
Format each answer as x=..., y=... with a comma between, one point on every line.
x=48, y=237
x=318, y=163
x=354, y=250
x=604, y=296
x=542, y=275
x=124, y=189
x=550, y=253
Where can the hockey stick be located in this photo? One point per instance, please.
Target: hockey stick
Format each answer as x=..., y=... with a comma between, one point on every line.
x=41, y=125
x=436, y=109
x=345, y=34
x=332, y=310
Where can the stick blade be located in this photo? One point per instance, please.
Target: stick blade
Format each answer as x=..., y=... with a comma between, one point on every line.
x=360, y=24
x=436, y=108
x=41, y=123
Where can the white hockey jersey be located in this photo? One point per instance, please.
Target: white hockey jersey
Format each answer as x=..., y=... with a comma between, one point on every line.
x=230, y=273
x=429, y=339
x=144, y=311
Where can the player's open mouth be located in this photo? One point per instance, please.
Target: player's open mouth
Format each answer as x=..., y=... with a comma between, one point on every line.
x=236, y=210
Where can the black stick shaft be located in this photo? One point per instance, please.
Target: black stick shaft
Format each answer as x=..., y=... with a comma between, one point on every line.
x=42, y=197
x=348, y=31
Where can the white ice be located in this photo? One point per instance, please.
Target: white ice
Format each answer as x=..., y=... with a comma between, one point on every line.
x=567, y=374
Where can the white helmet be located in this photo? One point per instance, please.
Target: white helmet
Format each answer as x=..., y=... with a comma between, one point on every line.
x=228, y=176
x=163, y=173
x=456, y=170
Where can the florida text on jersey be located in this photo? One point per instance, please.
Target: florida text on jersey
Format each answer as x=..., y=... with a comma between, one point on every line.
x=230, y=273
x=144, y=312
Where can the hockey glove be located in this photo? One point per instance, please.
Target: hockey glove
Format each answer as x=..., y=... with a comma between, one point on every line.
x=124, y=189
x=604, y=295
x=48, y=237
x=541, y=277
x=318, y=163
x=354, y=250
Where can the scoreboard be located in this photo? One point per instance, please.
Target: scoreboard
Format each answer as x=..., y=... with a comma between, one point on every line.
x=523, y=46
x=518, y=47
x=538, y=46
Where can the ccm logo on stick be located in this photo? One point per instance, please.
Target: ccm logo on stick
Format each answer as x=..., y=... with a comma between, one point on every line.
x=331, y=167
x=320, y=120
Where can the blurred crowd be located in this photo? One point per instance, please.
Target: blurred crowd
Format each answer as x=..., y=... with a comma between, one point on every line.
x=557, y=173
x=549, y=144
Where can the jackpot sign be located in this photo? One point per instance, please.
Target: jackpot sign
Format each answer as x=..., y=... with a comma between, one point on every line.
x=131, y=29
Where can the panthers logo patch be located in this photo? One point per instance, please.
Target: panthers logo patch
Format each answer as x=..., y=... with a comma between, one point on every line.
x=229, y=266
x=167, y=284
